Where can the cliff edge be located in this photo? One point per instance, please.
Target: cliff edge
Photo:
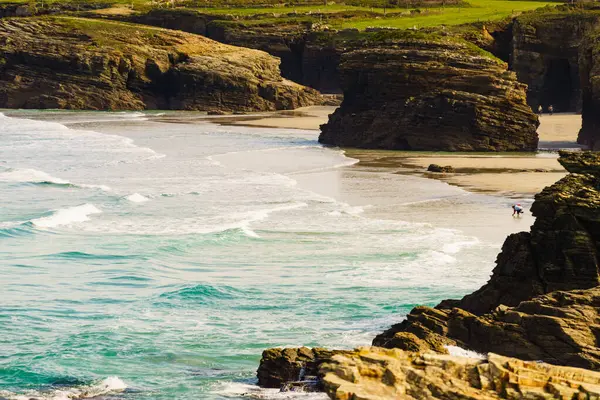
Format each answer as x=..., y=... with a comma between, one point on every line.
x=78, y=63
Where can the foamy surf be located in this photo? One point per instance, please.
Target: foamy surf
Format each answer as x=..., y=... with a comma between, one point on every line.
x=245, y=390
x=30, y=175
x=460, y=352
x=110, y=385
x=67, y=216
x=137, y=198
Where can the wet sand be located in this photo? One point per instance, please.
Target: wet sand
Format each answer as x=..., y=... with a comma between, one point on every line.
x=510, y=174
x=515, y=175
x=309, y=118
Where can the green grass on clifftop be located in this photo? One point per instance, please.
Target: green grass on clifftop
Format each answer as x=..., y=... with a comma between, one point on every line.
x=404, y=14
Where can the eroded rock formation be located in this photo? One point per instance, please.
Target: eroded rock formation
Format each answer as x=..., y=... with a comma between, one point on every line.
x=76, y=63
x=430, y=93
x=375, y=374
x=545, y=55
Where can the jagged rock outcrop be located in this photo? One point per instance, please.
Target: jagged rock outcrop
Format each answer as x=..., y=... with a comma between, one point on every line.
x=281, y=366
x=533, y=306
x=545, y=55
x=375, y=374
x=76, y=63
x=559, y=328
x=430, y=93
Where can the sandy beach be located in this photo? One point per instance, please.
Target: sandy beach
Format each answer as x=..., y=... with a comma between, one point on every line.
x=514, y=175
x=302, y=118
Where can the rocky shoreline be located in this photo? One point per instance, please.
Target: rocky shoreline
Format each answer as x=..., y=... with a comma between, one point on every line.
x=542, y=303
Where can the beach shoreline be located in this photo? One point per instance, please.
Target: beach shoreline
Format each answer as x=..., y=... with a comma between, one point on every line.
x=514, y=175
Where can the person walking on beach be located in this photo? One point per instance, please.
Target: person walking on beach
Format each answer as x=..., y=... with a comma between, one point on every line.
x=540, y=110
x=518, y=210
x=550, y=109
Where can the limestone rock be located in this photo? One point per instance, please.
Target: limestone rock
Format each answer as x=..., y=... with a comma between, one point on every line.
x=377, y=374
x=430, y=94
x=77, y=63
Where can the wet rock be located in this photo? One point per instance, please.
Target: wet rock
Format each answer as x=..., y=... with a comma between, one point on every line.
x=278, y=367
x=430, y=93
x=439, y=168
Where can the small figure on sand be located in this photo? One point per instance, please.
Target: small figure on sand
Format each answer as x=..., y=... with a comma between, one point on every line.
x=551, y=109
x=517, y=210
x=540, y=110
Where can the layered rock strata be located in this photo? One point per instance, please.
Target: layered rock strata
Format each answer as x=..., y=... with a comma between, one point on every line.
x=430, y=93
x=546, y=55
x=375, y=374
x=76, y=63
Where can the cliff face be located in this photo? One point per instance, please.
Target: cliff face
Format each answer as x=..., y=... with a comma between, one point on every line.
x=545, y=56
x=302, y=59
x=430, y=94
x=589, y=61
x=533, y=306
x=76, y=63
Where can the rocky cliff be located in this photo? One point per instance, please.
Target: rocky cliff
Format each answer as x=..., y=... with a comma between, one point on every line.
x=533, y=306
x=303, y=59
x=77, y=63
x=589, y=64
x=545, y=55
x=427, y=92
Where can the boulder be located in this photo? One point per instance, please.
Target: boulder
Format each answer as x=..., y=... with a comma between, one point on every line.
x=439, y=168
x=427, y=92
x=279, y=367
x=78, y=63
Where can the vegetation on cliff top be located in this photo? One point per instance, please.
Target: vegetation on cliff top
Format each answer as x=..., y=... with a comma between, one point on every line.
x=358, y=14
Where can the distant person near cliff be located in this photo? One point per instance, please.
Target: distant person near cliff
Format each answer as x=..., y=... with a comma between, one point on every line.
x=540, y=110
x=550, y=109
x=518, y=210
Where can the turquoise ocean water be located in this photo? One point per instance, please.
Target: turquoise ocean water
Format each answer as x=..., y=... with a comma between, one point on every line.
x=141, y=259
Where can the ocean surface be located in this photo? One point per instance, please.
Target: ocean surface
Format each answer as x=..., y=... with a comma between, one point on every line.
x=154, y=256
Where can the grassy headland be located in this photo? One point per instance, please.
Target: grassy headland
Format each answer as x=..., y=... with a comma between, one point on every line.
x=359, y=14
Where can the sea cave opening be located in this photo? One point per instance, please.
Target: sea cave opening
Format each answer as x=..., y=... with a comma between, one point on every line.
x=559, y=87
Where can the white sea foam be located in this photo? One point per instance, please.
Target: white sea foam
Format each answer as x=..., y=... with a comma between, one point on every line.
x=29, y=175
x=137, y=198
x=66, y=216
x=110, y=385
x=460, y=352
x=237, y=390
